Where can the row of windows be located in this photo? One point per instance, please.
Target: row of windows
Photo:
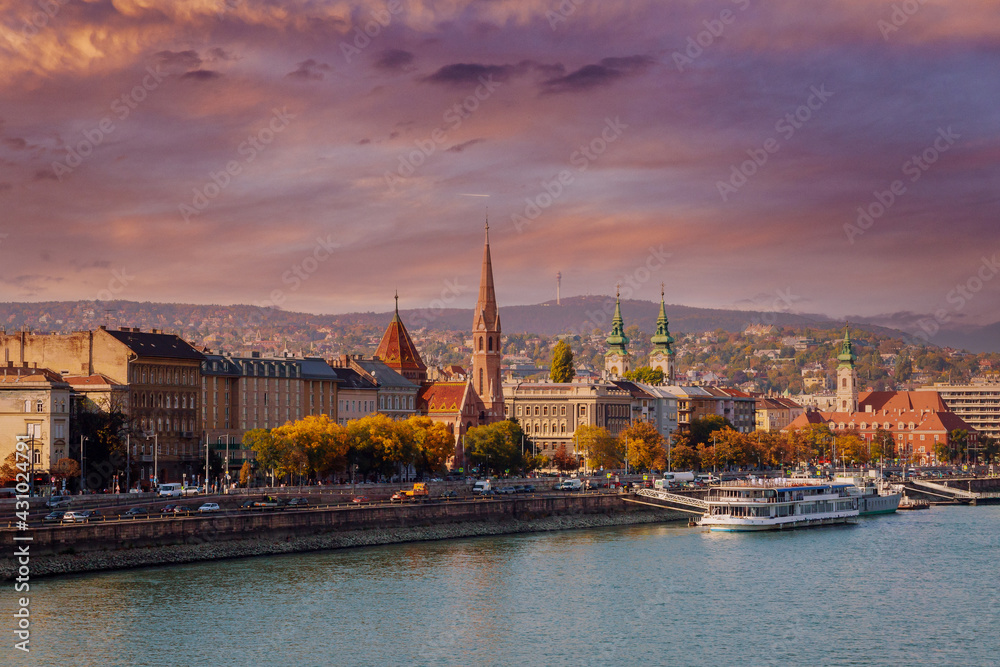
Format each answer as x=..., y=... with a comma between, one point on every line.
x=875, y=425
x=545, y=410
x=164, y=424
x=394, y=402
x=160, y=375
x=182, y=401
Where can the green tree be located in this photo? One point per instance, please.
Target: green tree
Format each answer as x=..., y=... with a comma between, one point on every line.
x=270, y=452
x=496, y=448
x=646, y=375
x=702, y=428
x=562, y=363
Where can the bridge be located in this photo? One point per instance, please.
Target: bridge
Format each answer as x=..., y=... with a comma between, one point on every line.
x=672, y=501
x=951, y=493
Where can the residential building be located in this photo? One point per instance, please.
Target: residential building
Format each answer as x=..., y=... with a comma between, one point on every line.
x=357, y=395
x=652, y=404
x=34, y=407
x=736, y=406
x=161, y=371
x=775, y=412
x=977, y=402
x=240, y=394
x=397, y=396
x=692, y=403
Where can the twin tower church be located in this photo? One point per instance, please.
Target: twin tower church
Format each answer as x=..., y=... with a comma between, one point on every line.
x=478, y=399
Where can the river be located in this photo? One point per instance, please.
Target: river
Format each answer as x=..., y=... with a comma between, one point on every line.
x=916, y=588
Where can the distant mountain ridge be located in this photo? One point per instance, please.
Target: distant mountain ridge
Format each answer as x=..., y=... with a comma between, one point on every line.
x=578, y=315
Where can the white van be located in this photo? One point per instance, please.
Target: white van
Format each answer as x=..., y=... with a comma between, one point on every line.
x=570, y=485
x=173, y=490
x=481, y=487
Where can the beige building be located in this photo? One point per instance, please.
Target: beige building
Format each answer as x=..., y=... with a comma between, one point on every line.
x=775, y=413
x=550, y=412
x=34, y=407
x=161, y=372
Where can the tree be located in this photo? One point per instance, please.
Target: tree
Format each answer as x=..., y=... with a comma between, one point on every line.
x=942, y=452
x=702, y=428
x=496, y=448
x=9, y=469
x=602, y=449
x=435, y=443
x=246, y=473
x=646, y=375
x=562, y=363
x=66, y=468
x=643, y=445
x=684, y=457
x=564, y=461
x=270, y=451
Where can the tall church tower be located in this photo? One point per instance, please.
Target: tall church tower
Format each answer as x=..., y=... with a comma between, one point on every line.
x=616, y=359
x=662, y=356
x=847, y=377
x=486, y=347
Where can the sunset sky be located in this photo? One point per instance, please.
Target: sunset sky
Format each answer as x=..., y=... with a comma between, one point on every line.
x=233, y=151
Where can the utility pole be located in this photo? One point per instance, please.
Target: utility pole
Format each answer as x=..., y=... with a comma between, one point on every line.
x=206, y=466
x=83, y=467
x=156, y=460
x=128, y=462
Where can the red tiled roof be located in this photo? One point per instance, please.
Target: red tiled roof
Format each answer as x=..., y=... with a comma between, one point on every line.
x=901, y=400
x=396, y=349
x=442, y=397
x=95, y=379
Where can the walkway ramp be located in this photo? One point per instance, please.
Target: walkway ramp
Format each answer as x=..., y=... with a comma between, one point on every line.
x=673, y=501
x=943, y=489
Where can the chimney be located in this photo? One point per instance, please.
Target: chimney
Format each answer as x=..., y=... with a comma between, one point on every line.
x=24, y=364
x=104, y=327
x=123, y=328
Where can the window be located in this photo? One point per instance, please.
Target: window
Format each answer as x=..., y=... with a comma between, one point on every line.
x=562, y=410
x=480, y=343
x=27, y=405
x=545, y=410
x=489, y=345
x=39, y=406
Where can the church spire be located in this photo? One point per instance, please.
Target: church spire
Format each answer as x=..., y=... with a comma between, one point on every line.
x=487, y=354
x=847, y=356
x=616, y=359
x=662, y=356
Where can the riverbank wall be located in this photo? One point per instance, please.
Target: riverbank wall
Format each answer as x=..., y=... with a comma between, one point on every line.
x=145, y=542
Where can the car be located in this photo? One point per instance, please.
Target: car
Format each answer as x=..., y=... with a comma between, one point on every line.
x=397, y=497
x=182, y=509
x=359, y=499
x=450, y=494
x=80, y=516
x=58, y=501
x=518, y=488
x=209, y=507
x=437, y=479
x=248, y=505
x=54, y=517
x=529, y=488
x=167, y=509
x=298, y=502
x=507, y=490
x=136, y=511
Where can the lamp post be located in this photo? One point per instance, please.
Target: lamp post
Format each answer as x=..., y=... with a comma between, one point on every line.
x=83, y=467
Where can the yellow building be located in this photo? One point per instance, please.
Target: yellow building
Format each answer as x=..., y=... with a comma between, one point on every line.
x=34, y=407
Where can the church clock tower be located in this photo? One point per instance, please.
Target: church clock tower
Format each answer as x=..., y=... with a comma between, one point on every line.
x=847, y=377
x=487, y=352
x=662, y=356
x=616, y=359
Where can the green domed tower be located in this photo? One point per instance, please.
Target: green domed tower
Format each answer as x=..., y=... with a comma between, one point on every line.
x=616, y=359
x=847, y=377
x=662, y=356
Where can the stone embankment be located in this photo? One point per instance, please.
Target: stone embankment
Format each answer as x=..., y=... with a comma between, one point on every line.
x=123, y=545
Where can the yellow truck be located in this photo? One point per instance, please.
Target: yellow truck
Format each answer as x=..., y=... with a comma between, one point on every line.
x=418, y=492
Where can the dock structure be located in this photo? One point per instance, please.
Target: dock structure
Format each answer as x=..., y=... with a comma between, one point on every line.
x=671, y=501
x=951, y=493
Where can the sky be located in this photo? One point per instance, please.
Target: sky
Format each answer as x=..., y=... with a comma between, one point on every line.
x=838, y=157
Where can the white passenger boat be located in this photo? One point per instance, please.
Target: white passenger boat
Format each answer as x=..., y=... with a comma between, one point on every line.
x=874, y=497
x=777, y=505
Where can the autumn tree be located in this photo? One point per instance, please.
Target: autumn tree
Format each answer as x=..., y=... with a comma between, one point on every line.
x=562, y=363
x=496, y=448
x=702, y=428
x=270, y=452
x=66, y=468
x=563, y=460
x=435, y=443
x=643, y=446
x=601, y=448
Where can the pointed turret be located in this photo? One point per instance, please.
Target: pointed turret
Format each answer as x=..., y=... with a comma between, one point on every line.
x=662, y=356
x=487, y=355
x=847, y=356
x=616, y=359
x=397, y=351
